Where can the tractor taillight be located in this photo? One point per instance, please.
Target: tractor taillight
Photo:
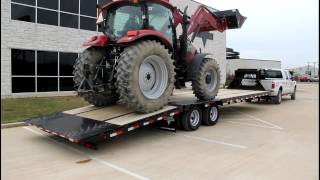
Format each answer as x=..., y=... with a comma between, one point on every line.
x=273, y=85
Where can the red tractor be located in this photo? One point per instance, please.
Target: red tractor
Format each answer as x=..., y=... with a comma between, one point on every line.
x=140, y=58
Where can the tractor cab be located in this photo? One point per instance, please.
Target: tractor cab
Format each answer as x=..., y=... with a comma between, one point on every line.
x=126, y=18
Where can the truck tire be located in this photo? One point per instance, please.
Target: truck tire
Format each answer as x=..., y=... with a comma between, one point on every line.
x=206, y=80
x=91, y=57
x=278, y=98
x=293, y=95
x=210, y=116
x=145, y=76
x=191, y=119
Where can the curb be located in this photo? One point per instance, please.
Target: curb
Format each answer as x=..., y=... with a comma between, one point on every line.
x=11, y=125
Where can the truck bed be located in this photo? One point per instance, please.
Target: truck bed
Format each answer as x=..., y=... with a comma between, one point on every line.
x=85, y=122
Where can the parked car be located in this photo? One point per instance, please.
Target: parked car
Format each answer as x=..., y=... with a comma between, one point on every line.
x=315, y=79
x=304, y=78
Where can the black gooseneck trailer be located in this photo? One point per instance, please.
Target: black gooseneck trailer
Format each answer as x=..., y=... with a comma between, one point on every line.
x=85, y=125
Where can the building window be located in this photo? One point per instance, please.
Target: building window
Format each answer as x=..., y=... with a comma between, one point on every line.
x=78, y=14
x=42, y=71
x=47, y=17
x=71, y=6
x=50, y=4
x=22, y=13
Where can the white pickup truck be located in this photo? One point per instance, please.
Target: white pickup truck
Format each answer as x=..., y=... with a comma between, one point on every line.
x=277, y=81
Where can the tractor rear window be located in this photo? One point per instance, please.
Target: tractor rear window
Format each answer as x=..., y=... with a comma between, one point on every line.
x=124, y=19
x=273, y=74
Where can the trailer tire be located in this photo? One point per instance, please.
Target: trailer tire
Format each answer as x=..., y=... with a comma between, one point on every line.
x=210, y=116
x=206, y=80
x=191, y=119
x=91, y=57
x=293, y=95
x=278, y=98
x=145, y=76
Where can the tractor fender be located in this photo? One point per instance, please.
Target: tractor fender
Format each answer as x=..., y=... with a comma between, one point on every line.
x=194, y=66
x=134, y=36
x=97, y=41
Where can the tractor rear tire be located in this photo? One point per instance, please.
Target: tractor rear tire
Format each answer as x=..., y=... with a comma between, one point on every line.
x=91, y=57
x=145, y=76
x=206, y=80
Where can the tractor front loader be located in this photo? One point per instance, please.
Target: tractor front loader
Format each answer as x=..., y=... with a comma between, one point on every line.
x=140, y=58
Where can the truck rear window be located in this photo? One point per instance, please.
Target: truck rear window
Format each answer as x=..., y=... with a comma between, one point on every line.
x=273, y=74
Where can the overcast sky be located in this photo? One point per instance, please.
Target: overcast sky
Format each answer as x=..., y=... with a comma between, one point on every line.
x=285, y=30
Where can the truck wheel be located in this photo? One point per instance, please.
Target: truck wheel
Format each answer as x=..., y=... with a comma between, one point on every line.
x=191, y=119
x=91, y=57
x=293, y=95
x=210, y=116
x=278, y=98
x=206, y=80
x=145, y=76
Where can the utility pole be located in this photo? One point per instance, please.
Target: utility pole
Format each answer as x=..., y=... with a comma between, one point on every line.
x=308, y=71
x=314, y=69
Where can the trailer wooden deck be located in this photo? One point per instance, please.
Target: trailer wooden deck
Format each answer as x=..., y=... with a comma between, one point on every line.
x=120, y=115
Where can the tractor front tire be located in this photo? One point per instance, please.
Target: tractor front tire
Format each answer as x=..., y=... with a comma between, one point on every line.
x=91, y=57
x=206, y=79
x=145, y=76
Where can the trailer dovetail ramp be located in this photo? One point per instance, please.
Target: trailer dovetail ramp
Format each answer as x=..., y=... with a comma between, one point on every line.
x=84, y=124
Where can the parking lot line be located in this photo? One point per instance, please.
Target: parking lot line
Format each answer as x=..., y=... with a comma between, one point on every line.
x=215, y=141
x=120, y=169
x=250, y=124
x=258, y=119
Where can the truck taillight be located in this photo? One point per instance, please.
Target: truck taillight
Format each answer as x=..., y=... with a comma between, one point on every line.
x=273, y=85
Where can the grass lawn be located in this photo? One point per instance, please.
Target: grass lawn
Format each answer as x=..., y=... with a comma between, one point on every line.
x=19, y=109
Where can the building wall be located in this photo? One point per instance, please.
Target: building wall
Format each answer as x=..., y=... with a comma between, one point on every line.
x=234, y=64
x=27, y=35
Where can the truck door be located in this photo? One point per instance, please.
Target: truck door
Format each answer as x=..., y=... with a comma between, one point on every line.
x=286, y=77
x=290, y=83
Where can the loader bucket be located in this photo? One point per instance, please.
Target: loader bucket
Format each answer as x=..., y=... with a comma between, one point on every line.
x=234, y=19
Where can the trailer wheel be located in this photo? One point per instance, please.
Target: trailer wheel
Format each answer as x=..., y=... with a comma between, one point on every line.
x=293, y=95
x=191, y=119
x=278, y=98
x=210, y=116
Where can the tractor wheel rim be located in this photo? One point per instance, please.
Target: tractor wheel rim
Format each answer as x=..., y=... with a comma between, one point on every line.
x=194, y=118
x=153, y=77
x=211, y=80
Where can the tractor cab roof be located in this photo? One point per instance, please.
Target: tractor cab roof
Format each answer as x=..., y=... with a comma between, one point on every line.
x=118, y=3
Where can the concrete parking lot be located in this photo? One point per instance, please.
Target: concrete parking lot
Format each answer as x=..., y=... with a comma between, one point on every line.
x=251, y=141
